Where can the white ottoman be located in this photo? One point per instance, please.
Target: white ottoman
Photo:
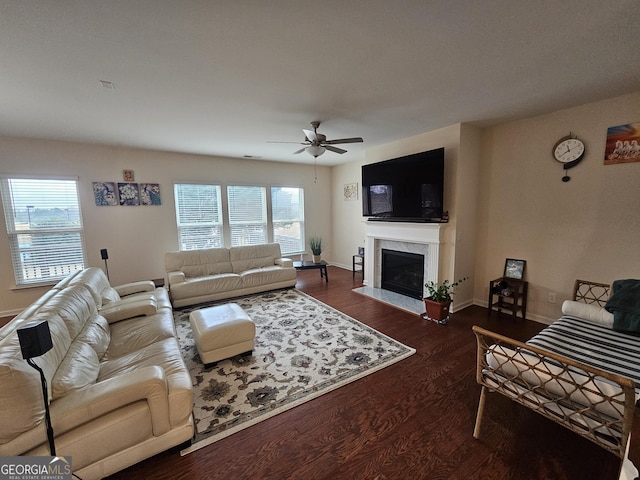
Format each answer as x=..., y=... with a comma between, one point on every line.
x=221, y=332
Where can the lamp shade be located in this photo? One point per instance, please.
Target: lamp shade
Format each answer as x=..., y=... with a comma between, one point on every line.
x=315, y=151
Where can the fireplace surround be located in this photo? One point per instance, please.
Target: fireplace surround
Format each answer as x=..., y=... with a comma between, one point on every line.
x=415, y=238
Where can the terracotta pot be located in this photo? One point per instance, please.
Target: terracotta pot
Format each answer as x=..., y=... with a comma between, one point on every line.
x=437, y=311
x=317, y=258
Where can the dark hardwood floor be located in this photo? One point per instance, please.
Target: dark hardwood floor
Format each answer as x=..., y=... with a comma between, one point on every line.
x=412, y=420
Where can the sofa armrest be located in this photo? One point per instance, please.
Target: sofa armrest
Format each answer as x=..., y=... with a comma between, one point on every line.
x=175, y=277
x=81, y=406
x=135, y=287
x=284, y=262
x=116, y=311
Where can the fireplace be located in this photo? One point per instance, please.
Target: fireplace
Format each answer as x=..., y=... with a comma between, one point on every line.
x=402, y=272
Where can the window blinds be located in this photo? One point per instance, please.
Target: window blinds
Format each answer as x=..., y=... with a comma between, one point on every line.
x=198, y=216
x=247, y=215
x=287, y=211
x=44, y=226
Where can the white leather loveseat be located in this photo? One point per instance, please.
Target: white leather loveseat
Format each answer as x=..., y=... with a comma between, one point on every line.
x=119, y=389
x=197, y=276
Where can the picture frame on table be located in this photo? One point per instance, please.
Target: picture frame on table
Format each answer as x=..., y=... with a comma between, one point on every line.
x=514, y=268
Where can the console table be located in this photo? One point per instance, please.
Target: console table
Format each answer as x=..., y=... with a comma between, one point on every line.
x=307, y=265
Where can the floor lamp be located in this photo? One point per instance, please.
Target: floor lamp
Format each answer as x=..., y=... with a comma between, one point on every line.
x=35, y=340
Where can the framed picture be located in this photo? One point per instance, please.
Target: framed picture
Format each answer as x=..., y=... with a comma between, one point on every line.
x=514, y=268
x=623, y=144
x=351, y=191
x=128, y=176
x=150, y=194
x=104, y=194
x=128, y=193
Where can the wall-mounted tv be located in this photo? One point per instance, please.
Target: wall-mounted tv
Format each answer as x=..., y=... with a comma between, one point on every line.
x=406, y=189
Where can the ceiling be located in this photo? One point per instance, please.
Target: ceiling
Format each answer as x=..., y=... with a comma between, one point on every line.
x=225, y=77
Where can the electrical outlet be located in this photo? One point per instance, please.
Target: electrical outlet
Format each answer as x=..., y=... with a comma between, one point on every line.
x=552, y=297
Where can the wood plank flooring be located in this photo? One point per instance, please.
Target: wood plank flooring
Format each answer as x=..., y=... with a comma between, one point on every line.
x=412, y=420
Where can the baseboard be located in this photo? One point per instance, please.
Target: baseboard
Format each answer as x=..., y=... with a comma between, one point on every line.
x=340, y=265
x=456, y=307
x=10, y=313
x=530, y=316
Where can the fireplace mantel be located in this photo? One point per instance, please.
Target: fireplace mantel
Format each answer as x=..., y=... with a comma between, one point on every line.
x=422, y=237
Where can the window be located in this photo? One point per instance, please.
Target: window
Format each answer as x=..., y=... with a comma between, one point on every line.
x=287, y=211
x=246, y=220
x=247, y=215
x=199, y=216
x=44, y=226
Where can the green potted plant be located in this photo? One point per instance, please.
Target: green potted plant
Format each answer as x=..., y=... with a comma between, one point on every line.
x=439, y=298
x=315, y=244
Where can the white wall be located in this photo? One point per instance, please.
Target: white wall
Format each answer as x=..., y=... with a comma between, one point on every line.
x=138, y=237
x=587, y=228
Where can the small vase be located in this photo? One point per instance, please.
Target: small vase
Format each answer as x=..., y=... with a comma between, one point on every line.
x=437, y=311
x=316, y=258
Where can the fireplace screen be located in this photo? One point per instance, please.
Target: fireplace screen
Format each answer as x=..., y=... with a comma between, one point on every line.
x=403, y=273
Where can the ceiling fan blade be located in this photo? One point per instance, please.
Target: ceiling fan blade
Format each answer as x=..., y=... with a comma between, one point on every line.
x=344, y=140
x=334, y=149
x=299, y=151
x=297, y=143
x=310, y=134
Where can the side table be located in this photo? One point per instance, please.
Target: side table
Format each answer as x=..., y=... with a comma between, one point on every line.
x=358, y=263
x=513, y=297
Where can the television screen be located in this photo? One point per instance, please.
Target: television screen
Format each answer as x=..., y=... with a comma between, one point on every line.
x=408, y=188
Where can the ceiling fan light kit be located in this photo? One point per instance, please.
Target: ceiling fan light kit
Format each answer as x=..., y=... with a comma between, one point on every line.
x=315, y=151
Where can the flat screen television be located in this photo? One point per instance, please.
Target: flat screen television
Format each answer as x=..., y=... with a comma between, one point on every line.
x=407, y=189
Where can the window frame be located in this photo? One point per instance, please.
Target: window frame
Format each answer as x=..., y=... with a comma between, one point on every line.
x=75, y=251
x=217, y=224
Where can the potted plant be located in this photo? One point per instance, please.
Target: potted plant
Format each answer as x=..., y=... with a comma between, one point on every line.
x=315, y=244
x=438, y=300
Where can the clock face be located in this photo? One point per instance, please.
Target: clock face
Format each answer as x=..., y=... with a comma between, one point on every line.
x=568, y=150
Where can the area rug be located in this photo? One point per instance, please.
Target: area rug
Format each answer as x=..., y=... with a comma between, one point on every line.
x=303, y=349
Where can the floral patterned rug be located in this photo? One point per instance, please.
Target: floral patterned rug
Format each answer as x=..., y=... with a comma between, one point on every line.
x=303, y=349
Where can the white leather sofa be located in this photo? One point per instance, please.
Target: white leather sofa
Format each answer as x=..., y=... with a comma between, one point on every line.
x=119, y=389
x=197, y=276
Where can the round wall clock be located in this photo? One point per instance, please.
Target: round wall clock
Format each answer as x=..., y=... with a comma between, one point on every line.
x=569, y=151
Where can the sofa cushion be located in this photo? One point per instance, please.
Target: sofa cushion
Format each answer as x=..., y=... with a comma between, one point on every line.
x=75, y=305
x=267, y=275
x=194, y=287
x=78, y=369
x=109, y=295
x=254, y=256
x=21, y=409
x=97, y=335
x=137, y=333
x=60, y=339
x=196, y=263
x=95, y=280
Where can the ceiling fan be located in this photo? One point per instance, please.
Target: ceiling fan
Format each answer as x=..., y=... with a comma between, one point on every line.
x=315, y=144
